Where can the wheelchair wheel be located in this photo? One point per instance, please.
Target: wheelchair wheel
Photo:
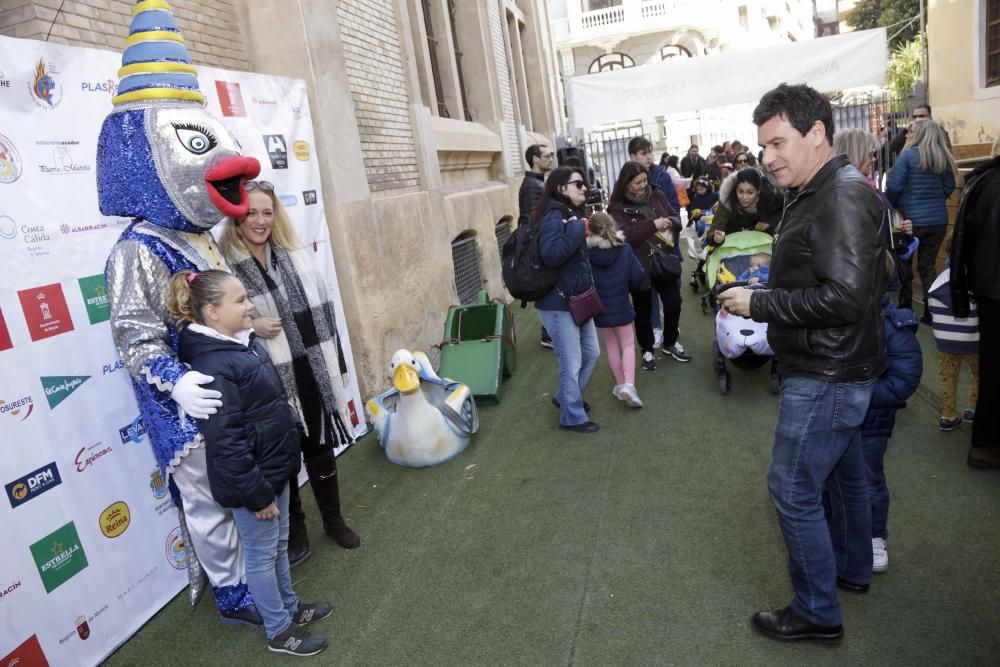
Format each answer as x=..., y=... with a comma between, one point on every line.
x=725, y=382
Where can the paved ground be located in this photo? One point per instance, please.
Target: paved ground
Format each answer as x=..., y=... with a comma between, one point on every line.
x=651, y=542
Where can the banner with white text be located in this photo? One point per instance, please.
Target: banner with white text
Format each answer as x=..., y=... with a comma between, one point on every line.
x=92, y=547
x=828, y=64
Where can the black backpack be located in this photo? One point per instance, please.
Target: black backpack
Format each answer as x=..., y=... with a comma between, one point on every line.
x=525, y=275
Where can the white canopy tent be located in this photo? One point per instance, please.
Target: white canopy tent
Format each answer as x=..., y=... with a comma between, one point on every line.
x=688, y=84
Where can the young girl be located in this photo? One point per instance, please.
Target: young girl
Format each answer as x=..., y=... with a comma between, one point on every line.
x=251, y=445
x=616, y=271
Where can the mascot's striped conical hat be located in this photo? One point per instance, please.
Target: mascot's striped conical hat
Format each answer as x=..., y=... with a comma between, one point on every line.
x=156, y=64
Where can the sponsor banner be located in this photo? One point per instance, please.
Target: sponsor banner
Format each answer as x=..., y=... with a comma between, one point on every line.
x=34, y=484
x=93, y=550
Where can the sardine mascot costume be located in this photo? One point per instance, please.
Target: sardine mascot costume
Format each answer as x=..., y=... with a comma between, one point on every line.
x=163, y=161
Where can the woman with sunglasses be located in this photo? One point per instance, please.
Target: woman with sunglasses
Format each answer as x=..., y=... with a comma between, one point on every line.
x=562, y=243
x=295, y=320
x=644, y=215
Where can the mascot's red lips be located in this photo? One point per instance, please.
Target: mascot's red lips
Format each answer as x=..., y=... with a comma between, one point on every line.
x=225, y=184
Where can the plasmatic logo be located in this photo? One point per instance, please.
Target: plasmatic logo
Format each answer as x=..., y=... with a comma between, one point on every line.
x=30, y=486
x=58, y=387
x=45, y=311
x=45, y=88
x=59, y=556
x=95, y=297
x=10, y=161
x=109, y=87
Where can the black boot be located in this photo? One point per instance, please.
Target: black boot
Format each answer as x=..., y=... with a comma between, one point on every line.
x=298, y=535
x=323, y=477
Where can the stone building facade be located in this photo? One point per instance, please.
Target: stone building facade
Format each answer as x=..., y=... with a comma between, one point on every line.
x=422, y=111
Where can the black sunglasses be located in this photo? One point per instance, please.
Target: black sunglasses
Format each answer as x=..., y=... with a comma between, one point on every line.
x=266, y=186
x=580, y=185
x=742, y=161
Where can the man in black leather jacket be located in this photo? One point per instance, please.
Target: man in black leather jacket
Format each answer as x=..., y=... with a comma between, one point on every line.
x=822, y=306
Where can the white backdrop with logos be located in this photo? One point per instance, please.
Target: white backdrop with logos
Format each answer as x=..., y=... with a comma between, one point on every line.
x=92, y=549
x=827, y=64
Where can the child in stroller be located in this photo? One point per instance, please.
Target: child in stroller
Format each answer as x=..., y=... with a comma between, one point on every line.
x=743, y=259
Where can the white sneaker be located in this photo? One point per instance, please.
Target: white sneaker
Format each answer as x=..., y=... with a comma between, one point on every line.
x=630, y=395
x=616, y=392
x=880, y=555
x=657, y=338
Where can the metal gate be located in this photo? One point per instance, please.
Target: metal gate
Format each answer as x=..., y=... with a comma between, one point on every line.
x=881, y=113
x=468, y=277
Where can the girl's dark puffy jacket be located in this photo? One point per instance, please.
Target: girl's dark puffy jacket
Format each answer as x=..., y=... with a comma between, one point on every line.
x=902, y=376
x=252, y=442
x=563, y=245
x=616, y=271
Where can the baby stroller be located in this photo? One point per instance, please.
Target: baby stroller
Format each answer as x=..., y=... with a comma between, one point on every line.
x=739, y=340
x=693, y=236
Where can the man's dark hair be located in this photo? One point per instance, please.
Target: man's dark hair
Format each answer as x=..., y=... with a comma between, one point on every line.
x=718, y=150
x=736, y=144
x=637, y=144
x=924, y=106
x=534, y=150
x=800, y=105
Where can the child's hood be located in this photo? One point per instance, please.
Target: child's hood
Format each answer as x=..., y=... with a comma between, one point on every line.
x=601, y=252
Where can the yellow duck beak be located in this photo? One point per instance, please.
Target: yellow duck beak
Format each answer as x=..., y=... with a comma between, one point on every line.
x=405, y=379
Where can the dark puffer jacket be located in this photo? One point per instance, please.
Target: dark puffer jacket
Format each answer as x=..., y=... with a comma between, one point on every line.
x=532, y=189
x=975, y=245
x=902, y=375
x=252, y=442
x=563, y=245
x=616, y=273
x=920, y=194
x=823, y=302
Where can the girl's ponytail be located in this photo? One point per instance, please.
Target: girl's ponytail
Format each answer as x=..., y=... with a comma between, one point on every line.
x=603, y=225
x=189, y=292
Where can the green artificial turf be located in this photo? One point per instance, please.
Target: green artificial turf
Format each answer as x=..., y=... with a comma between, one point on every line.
x=651, y=542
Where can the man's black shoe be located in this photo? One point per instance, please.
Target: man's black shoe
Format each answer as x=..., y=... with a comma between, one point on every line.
x=784, y=625
x=585, y=427
x=298, y=555
x=845, y=585
x=586, y=405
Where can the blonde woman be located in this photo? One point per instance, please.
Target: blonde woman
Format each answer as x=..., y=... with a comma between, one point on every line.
x=295, y=319
x=919, y=183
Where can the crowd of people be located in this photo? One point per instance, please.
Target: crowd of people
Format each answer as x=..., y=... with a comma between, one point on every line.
x=835, y=294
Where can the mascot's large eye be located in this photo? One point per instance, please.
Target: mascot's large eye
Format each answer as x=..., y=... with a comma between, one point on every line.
x=195, y=139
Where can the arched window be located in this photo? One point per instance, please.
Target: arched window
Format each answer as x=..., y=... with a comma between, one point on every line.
x=610, y=61
x=674, y=51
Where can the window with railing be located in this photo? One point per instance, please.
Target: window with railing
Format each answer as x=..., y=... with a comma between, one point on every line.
x=674, y=51
x=611, y=61
x=593, y=5
x=992, y=43
x=432, y=48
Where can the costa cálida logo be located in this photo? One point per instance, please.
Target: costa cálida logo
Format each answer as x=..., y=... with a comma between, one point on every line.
x=34, y=484
x=59, y=387
x=45, y=88
x=59, y=556
x=20, y=408
x=45, y=311
x=10, y=161
x=115, y=519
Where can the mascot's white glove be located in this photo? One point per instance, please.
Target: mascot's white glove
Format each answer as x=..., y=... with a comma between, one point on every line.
x=194, y=400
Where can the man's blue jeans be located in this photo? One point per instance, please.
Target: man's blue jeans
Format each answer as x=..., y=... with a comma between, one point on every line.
x=817, y=444
x=576, y=351
x=265, y=548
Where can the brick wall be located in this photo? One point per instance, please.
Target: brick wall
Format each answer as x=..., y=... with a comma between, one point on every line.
x=374, y=63
x=211, y=29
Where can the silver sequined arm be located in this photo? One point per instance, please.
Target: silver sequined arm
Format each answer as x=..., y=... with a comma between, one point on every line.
x=137, y=287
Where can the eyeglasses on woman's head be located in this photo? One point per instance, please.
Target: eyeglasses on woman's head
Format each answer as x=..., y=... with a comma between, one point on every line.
x=266, y=186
